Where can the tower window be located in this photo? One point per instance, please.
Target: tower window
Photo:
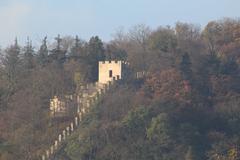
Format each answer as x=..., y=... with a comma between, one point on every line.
x=110, y=73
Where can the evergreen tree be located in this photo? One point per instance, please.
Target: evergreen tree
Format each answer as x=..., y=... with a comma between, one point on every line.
x=58, y=55
x=185, y=66
x=76, y=49
x=28, y=59
x=96, y=49
x=95, y=53
x=42, y=57
x=11, y=63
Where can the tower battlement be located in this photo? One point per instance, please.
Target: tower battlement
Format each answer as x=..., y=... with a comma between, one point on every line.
x=110, y=62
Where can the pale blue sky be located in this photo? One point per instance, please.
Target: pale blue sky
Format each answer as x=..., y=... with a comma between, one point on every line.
x=37, y=18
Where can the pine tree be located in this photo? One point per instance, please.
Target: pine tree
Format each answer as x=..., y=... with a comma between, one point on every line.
x=11, y=63
x=58, y=55
x=96, y=49
x=42, y=57
x=95, y=53
x=28, y=59
x=76, y=49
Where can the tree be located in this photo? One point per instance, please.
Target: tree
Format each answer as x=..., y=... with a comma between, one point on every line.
x=187, y=32
x=137, y=55
x=163, y=40
x=77, y=50
x=28, y=59
x=95, y=51
x=189, y=38
x=185, y=67
x=11, y=63
x=160, y=130
x=115, y=53
x=212, y=35
x=58, y=54
x=42, y=57
x=162, y=45
x=168, y=85
x=140, y=34
x=136, y=120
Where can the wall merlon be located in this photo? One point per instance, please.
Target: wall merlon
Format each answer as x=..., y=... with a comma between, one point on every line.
x=111, y=62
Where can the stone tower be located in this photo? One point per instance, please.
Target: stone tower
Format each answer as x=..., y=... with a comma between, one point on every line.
x=107, y=70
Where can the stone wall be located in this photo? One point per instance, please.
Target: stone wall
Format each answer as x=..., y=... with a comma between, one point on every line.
x=89, y=97
x=59, y=106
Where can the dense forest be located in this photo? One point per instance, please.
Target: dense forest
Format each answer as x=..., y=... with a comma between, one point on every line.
x=187, y=106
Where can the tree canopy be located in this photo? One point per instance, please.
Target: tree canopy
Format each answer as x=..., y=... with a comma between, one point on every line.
x=185, y=107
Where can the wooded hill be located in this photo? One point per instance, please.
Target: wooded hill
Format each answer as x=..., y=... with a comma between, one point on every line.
x=187, y=107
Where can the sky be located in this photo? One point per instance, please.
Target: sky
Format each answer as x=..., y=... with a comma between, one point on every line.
x=86, y=18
